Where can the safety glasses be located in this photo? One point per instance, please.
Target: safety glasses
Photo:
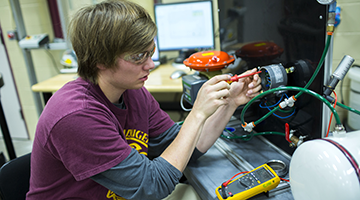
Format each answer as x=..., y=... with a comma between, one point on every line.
x=140, y=58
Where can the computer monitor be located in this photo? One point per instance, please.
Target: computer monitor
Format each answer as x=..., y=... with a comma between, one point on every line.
x=185, y=27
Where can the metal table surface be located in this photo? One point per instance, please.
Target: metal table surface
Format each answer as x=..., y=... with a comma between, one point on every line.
x=221, y=162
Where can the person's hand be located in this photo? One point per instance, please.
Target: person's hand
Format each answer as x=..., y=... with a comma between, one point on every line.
x=212, y=95
x=245, y=89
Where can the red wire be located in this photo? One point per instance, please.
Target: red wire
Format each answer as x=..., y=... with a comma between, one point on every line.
x=327, y=134
x=284, y=179
x=227, y=182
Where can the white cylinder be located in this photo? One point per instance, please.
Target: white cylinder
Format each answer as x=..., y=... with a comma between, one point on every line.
x=354, y=98
x=319, y=169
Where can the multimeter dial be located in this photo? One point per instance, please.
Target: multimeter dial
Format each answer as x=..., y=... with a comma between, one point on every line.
x=325, y=2
x=247, y=181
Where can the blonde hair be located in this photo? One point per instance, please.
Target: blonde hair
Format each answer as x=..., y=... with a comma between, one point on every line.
x=100, y=33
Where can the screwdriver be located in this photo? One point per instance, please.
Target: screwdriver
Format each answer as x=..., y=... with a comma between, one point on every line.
x=236, y=77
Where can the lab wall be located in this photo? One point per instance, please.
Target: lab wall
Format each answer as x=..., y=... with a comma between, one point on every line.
x=346, y=42
x=37, y=20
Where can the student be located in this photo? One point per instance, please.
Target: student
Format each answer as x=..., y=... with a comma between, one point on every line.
x=96, y=135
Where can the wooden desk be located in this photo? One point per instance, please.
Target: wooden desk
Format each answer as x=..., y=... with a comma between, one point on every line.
x=53, y=84
x=159, y=81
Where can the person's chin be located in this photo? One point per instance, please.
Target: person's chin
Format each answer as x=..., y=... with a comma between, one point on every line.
x=138, y=86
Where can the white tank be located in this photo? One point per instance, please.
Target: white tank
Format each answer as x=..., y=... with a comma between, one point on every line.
x=327, y=168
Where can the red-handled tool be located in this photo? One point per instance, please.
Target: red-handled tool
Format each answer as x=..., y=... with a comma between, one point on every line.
x=236, y=77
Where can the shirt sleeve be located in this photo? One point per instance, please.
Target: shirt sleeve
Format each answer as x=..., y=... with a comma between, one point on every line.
x=158, y=144
x=87, y=143
x=137, y=177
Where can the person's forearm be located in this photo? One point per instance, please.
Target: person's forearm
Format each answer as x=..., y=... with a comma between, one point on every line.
x=180, y=150
x=214, y=126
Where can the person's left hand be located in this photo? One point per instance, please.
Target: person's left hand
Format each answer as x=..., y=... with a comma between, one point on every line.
x=245, y=89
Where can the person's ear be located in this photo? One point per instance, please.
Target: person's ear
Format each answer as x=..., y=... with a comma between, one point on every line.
x=100, y=66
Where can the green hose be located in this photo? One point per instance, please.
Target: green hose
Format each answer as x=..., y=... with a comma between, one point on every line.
x=293, y=88
x=348, y=108
x=318, y=67
x=268, y=114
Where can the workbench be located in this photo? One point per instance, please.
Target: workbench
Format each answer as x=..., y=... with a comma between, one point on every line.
x=228, y=157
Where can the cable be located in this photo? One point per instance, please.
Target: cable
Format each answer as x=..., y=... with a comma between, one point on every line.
x=228, y=181
x=280, y=117
x=327, y=134
x=283, y=179
x=268, y=107
x=182, y=104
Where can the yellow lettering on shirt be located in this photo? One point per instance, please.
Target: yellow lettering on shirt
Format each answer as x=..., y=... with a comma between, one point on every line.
x=112, y=195
x=138, y=141
x=136, y=138
x=138, y=134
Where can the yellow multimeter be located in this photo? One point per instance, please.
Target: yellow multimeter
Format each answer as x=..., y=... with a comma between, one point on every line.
x=256, y=181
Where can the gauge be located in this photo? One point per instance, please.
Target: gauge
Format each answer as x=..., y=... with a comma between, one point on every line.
x=325, y=2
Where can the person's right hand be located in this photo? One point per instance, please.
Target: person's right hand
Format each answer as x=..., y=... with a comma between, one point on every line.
x=212, y=95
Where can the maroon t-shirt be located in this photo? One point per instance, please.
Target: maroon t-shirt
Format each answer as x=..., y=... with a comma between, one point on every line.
x=81, y=133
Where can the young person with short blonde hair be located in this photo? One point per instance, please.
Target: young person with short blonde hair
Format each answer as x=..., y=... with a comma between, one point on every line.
x=103, y=135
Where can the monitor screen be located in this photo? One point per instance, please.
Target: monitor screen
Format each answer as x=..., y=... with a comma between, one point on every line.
x=187, y=25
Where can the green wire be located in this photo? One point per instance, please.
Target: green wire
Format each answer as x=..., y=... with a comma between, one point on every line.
x=348, y=108
x=297, y=95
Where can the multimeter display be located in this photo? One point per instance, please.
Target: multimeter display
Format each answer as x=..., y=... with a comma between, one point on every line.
x=261, y=179
x=263, y=175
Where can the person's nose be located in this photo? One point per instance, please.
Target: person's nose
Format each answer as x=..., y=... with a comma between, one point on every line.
x=149, y=64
